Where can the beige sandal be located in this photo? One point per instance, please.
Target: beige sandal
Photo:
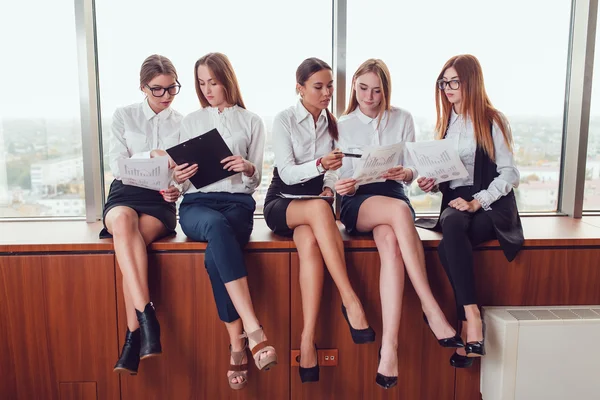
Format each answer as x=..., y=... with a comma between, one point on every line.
x=259, y=348
x=239, y=369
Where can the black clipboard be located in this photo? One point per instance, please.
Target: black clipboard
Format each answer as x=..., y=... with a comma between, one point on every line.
x=207, y=151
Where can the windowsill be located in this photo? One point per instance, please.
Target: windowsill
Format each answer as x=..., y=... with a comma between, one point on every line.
x=79, y=236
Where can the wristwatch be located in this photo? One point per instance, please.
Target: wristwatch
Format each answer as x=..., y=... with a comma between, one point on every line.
x=320, y=166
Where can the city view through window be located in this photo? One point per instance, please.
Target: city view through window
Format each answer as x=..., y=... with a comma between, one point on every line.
x=41, y=159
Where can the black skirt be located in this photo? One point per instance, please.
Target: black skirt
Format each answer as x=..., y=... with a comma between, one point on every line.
x=143, y=201
x=351, y=204
x=276, y=207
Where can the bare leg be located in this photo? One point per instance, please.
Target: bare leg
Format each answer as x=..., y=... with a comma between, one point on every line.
x=311, y=289
x=379, y=210
x=474, y=324
x=317, y=214
x=391, y=289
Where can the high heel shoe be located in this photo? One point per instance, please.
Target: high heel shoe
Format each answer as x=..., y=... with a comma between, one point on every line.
x=359, y=336
x=477, y=349
x=149, y=332
x=451, y=342
x=386, y=382
x=130, y=355
x=310, y=374
x=239, y=368
x=458, y=361
x=261, y=346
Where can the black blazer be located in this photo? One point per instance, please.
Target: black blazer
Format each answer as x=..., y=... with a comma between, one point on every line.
x=504, y=212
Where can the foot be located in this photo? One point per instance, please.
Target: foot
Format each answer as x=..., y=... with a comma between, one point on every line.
x=356, y=315
x=474, y=330
x=308, y=354
x=461, y=351
x=238, y=346
x=256, y=337
x=439, y=324
x=388, y=366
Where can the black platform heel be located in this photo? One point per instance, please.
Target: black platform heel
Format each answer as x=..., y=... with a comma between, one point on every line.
x=149, y=332
x=310, y=374
x=386, y=382
x=451, y=342
x=130, y=355
x=359, y=336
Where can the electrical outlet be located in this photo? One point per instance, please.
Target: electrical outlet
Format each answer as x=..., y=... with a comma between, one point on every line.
x=327, y=357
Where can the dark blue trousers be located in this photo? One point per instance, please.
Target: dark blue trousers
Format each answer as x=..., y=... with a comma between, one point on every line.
x=225, y=221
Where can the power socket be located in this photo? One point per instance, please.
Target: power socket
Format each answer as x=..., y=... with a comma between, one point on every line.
x=326, y=357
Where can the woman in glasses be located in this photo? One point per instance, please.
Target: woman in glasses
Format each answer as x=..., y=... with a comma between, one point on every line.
x=482, y=206
x=222, y=213
x=383, y=209
x=303, y=137
x=136, y=216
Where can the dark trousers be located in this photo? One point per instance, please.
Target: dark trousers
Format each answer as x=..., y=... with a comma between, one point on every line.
x=225, y=221
x=462, y=230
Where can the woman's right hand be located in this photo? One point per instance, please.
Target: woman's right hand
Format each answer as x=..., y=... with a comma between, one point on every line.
x=183, y=172
x=345, y=186
x=426, y=184
x=333, y=160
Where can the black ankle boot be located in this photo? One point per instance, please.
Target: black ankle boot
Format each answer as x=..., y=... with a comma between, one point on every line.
x=149, y=332
x=130, y=355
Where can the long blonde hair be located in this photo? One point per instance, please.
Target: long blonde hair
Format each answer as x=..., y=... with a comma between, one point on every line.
x=379, y=68
x=476, y=104
x=222, y=71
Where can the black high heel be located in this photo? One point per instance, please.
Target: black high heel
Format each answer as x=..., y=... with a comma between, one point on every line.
x=359, y=336
x=149, y=332
x=386, y=382
x=130, y=355
x=451, y=342
x=310, y=374
x=477, y=349
x=458, y=361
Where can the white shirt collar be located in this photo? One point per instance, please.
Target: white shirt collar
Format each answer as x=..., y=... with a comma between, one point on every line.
x=454, y=116
x=226, y=110
x=301, y=112
x=149, y=113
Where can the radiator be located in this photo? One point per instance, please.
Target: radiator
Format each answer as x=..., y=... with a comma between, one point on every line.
x=541, y=353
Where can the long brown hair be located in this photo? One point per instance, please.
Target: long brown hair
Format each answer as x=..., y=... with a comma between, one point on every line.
x=222, y=71
x=379, y=68
x=156, y=65
x=304, y=71
x=476, y=104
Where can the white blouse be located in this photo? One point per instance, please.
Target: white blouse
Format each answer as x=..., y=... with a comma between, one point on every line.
x=298, y=144
x=462, y=130
x=359, y=131
x=137, y=130
x=244, y=134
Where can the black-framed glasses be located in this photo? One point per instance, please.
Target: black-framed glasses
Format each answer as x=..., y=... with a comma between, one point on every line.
x=454, y=84
x=160, y=91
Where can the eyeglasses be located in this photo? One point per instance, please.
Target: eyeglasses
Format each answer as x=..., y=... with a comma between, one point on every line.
x=454, y=84
x=160, y=92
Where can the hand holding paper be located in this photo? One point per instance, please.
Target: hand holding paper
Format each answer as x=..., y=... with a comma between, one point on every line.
x=437, y=159
x=149, y=173
x=376, y=162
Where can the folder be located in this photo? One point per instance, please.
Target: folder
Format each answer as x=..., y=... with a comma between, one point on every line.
x=207, y=151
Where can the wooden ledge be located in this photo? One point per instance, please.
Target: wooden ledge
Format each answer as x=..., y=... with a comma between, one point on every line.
x=78, y=236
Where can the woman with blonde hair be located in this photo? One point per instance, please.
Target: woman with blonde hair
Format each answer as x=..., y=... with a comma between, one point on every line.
x=222, y=213
x=384, y=209
x=135, y=216
x=482, y=206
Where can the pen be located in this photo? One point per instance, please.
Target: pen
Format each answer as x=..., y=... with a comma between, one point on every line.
x=350, y=155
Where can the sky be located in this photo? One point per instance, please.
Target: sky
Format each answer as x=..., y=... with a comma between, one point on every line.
x=521, y=44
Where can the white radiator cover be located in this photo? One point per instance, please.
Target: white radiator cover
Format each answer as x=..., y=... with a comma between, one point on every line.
x=541, y=353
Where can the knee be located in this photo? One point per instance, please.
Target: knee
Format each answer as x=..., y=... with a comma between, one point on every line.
x=453, y=223
x=123, y=222
x=401, y=213
x=320, y=211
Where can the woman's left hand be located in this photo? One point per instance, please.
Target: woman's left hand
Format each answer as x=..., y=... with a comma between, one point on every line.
x=462, y=205
x=171, y=194
x=398, y=173
x=238, y=164
x=327, y=192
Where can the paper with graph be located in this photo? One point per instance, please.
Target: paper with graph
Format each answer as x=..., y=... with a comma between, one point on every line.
x=149, y=173
x=375, y=162
x=437, y=159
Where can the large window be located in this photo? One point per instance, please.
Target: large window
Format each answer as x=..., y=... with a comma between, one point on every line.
x=522, y=46
x=591, y=196
x=41, y=169
x=264, y=40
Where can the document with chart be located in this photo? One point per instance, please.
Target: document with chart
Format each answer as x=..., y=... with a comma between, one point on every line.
x=437, y=159
x=375, y=162
x=149, y=173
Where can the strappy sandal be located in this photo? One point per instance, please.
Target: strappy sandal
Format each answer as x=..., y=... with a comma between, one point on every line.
x=239, y=369
x=261, y=346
